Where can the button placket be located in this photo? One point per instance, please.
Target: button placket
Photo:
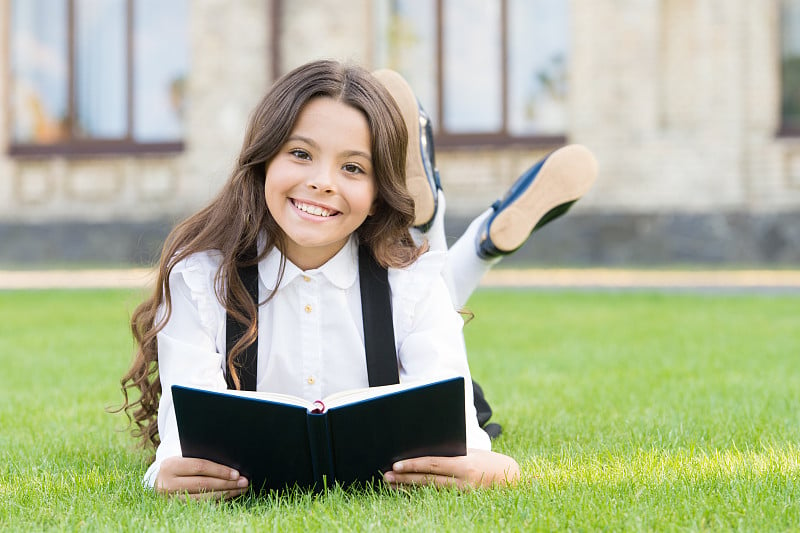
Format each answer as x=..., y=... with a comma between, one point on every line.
x=311, y=340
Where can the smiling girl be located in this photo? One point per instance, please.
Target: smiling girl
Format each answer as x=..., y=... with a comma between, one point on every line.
x=321, y=172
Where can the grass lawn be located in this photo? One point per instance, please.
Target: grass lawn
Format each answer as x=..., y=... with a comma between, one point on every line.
x=632, y=411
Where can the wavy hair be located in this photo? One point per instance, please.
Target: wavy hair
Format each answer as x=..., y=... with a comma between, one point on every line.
x=234, y=221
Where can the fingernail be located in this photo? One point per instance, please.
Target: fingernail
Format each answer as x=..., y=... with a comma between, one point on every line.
x=242, y=482
x=234, y=474
x=398, y=466
x=389, y=477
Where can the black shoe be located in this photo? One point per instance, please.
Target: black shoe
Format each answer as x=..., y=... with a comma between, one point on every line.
x=483, y=411
x=542, y=194
x=422, y=178
x=493, y=430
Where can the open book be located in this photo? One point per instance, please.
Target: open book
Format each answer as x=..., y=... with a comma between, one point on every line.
x=280, y=441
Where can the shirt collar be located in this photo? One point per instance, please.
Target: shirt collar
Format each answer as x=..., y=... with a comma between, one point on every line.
x=341, y=270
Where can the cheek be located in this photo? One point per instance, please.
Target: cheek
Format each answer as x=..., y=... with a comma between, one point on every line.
x=362, y=196
x=267, y=178
x=272, y=183
x=267, y=193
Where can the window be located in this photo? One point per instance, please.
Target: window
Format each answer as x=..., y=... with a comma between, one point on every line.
x=486, y=71
x=790, y=67
x=97, y=76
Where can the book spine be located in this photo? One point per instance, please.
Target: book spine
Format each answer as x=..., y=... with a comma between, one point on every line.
x=321, y=451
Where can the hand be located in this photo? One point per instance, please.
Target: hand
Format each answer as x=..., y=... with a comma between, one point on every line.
x=199, y=479
x=479, y=468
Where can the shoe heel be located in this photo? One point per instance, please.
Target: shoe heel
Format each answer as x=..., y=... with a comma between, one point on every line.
x=540, y=195
x=417, y=181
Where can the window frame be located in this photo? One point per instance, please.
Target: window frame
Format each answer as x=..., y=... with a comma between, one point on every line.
x=503, y=137
x=74, y=146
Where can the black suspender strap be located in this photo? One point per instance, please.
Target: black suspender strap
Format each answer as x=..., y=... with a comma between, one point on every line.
x=248, y=360
x=376, y=311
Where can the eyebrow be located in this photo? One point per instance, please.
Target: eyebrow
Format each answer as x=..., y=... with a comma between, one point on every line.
x=313, y=143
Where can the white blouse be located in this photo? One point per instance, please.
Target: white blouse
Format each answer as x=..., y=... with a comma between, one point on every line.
x=311, y=334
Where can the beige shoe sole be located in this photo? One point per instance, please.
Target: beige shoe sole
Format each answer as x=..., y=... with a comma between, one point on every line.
x=416, y=179
x=566, y=175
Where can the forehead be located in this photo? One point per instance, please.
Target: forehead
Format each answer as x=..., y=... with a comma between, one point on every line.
x=325, y=116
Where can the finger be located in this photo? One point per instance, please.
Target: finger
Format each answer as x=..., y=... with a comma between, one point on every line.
x=443, y=466
x=198, y=484
x=185, y=467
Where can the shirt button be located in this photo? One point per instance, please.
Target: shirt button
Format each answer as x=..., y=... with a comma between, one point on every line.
x=310, y=380
x=308, y=308
x=306, y=279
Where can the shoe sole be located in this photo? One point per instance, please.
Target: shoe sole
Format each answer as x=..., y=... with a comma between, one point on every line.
x=566, y=175
x=416, y=179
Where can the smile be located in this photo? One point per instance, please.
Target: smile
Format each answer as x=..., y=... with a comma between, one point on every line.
x=313, y=209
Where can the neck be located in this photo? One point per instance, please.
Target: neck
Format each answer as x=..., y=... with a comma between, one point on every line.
x=306, y=258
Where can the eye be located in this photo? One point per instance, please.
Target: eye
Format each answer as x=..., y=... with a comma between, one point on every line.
x=299, y=153
x=352, y=168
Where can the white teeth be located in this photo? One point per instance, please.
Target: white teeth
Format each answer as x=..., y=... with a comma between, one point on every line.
x=312, y=209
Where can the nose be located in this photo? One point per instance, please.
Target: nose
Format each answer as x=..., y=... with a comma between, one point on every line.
x=322, y=181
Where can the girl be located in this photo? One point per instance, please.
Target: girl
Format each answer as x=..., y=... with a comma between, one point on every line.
x=322, y=170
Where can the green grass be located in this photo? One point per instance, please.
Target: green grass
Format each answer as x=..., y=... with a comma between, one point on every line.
x=626, y=411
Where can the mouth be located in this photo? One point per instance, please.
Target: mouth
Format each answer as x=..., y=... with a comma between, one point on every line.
x=313, y=209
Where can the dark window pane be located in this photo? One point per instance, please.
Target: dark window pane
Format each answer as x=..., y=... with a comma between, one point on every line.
x=101, y=69
x=408, y=45
x=537, y=66
x=160, y=69
x=39, y=71
x=790, y=40
x=473, y=66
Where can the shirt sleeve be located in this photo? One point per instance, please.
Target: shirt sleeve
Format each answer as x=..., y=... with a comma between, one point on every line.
x=187, y=353
x=429, y=336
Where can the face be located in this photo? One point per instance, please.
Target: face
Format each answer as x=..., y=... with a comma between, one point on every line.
x=320, y=186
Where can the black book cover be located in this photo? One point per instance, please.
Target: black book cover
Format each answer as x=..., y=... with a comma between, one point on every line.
x=277, y=445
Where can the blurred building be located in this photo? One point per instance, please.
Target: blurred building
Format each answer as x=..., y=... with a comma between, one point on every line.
x=120, y=116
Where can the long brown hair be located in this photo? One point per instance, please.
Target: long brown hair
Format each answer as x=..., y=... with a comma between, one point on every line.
x=235, y=220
